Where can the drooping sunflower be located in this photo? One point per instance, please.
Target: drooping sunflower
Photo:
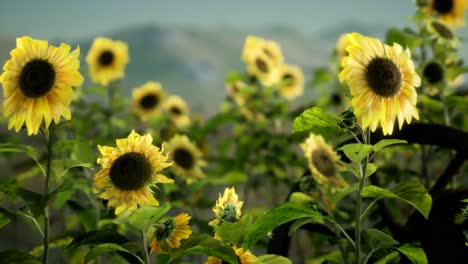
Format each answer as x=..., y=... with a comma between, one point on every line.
x=270, y=48
x=293, y=81
x=228, y=208
x=128, y=171
x=442, y=33
x=107, y=60
x=147, y=100
x=322, y=161
x=187, y=158
x=170, y=233
x=37, y=83
x=234, y=90
x=242, y=257
x=451, y=12
x=178, y=111
x=382, y=81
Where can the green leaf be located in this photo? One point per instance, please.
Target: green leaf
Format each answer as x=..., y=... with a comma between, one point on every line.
x=10, y=188
x=60, y=167
x=272, y=259
x=370, y=169
x=414, y=253
x=304, y=221
x=410, y=191
x=387, y=142
x=353, y=168
x=357, y=151
x=340, y=194
x=28, y=150
x=317, y=121
x=393, y=257
x=282, y=214
x=202, y=244
x=322, y=75
x=233, y=232
x=403, y=38
x=378, y=239
x=300, y=198
x=144, y=216
x=5, y=216
x=97, y=237
x=19, y=257
x=34, y=201
x=64, y=145
x=111, y=247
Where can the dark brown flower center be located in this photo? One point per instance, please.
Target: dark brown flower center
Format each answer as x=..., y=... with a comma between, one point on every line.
x=384, y=77
x=149, y=101
x=288, y=78
x=37, y=78
x=165, y=231
x=268, y=53
x=433, y=72
x=106, y=58
x=130, y=171
x=175, y=110
x=323, y=162
x=184, y=158
x=442, y=30
x=443, y=6
x=261, y=65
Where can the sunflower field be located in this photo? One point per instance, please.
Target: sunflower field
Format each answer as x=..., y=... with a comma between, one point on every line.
x=370, y=169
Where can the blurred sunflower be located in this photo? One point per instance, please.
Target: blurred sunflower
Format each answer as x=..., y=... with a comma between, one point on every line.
x=234, y=90
x=178, y=111
x=170, y=233
x=228, y=208
x=242, y=257
x=263, y=68
x=341, y=45
x=37, y=83
x=147, y=100
x=129, y=171
x=382, y=81
x=270, y=48
x=293, y=81
x=442, y=33
x=322, y=161
x=107, y=60
x=451, y=12
x=186, y=157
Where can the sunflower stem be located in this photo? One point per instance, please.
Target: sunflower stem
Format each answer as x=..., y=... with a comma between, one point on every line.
x=49, y=144
x=144, y=247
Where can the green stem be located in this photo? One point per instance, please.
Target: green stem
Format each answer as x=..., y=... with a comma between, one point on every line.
x=144, y=247
x=350, y=240
x=49, y=143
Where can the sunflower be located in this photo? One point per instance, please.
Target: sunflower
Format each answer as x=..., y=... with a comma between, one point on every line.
x=242, y=257
x=228, y=208
x=442, y=33
x=107, y=60
x=170, y=233
x=128, y=171
x=147, y=100
x=234, y=90
x=382, y=81
x=341, y=45
x=270, y=48
x=293, y=81
x=451, y=12
x=178, y=111
x=37, y=83
x=186, y=157
x=322, y=161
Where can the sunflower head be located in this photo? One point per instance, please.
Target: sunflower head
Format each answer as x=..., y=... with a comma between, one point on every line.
x=37, y=83
x=292, y=80
x=243, y=257
x=228, y=208
x=170, y=233
x=147, y=100
x=442, y=33
x=322, y=161
x=178, y=111
x=128, y=171
x=382, y=81
x=433, y=72
x=341, y=45
x=186, y=157
x=234, y=89
x=263, y=59
x=107, y=60
x=451, y=12
x=271, y=49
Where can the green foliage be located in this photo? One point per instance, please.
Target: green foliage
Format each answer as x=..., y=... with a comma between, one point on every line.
x=272, y=259
x=16, y=256
x=316, y=120
x=357, y=151
x=414, y=253
x=105, y=248
x=97, y=237
x=377, y=239
x=282, y=214
x=405, y=38
x=233, y=232
x=410, y=191
x=143, y=217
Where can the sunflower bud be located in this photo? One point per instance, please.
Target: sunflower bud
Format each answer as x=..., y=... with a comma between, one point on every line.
x=347, y=120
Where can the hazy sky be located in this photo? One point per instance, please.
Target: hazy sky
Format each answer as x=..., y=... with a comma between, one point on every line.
x=78, y=18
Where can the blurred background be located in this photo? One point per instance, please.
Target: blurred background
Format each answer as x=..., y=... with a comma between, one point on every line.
x=190, y=46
